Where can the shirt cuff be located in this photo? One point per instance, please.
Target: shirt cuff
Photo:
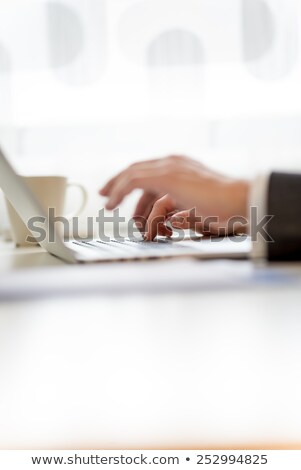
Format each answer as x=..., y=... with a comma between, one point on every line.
x=258, y=199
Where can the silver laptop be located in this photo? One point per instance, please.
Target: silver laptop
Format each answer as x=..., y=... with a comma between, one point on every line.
x=89, y=251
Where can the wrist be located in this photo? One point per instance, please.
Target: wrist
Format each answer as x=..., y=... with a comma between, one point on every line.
x=239, y=197
x=241, y=194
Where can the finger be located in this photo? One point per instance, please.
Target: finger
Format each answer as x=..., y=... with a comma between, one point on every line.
x=180, y=220
x=187, y=220
x=143, y=209
x=163, y=230
x=158, y=216
x=143, y=204
x=145, y=180
x=152, y=176
x=107, y=188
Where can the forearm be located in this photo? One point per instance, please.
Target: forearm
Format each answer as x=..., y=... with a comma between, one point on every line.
x=284, y=204
x=278, y=197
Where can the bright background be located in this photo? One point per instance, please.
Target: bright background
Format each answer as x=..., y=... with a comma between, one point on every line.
x=87, y=86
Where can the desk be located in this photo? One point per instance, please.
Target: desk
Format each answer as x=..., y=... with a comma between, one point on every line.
x=104, y=364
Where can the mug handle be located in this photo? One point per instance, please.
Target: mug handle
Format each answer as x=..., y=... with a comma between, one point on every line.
x=84, y=200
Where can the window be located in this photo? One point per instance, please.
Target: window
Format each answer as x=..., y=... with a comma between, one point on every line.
x=86, y=86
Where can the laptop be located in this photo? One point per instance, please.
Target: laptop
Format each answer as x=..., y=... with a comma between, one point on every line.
x=123, y=249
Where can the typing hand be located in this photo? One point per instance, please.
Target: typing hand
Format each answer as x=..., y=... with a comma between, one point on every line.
x=174, y=183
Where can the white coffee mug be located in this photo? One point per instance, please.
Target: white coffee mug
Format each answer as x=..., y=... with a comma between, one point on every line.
x=50, y=191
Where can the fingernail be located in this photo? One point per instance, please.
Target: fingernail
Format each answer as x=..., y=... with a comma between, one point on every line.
x=112, y=202
x=175, y=222
x=109, y=206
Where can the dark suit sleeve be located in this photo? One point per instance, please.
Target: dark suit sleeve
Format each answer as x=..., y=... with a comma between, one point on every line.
x=284, y=204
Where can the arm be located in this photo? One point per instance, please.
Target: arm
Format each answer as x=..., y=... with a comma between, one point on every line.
x=186, y=193
x=284, y=203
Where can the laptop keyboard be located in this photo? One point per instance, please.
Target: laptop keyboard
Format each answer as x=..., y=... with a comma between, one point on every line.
x=128, y=244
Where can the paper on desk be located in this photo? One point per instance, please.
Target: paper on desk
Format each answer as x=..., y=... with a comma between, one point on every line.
x=141, y=277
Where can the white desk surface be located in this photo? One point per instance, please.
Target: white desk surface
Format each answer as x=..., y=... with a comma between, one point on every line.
x=175, y=354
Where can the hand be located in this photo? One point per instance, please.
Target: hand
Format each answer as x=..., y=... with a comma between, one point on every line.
x=176, y=183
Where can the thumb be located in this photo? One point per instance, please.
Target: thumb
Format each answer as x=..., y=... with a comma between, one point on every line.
x=187, y=220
